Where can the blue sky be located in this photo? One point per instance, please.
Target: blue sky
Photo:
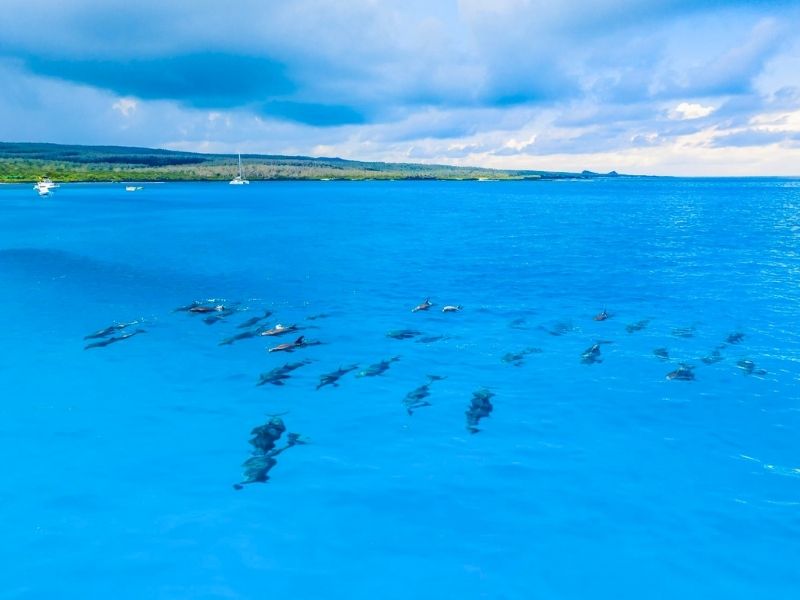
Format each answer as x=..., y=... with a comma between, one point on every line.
x=640, y=86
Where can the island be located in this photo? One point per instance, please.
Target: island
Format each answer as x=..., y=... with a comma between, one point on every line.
x=28, y=162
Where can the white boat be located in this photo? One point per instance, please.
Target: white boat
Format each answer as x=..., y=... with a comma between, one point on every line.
x=44, y=186
x=132, y=188
x=239, y=179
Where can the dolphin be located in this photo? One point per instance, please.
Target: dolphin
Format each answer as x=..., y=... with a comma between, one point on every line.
x=333, y=377
x=519, y=323
x=378, y=368
x=202, y=309
x=735, y=337
x=684, y=332
x=416, y=398
x=712, y=358
x=403, y=334
x=319, y=316
x=110, y=329
x=480, y=407
x=113, y=340
x=254, y=320
x=239, y=336
x=188, y=307
x=425, y=305
x=592, y=354
x=749, y=368
x=518, y=358
x=602, y=316
x=278, y=375
x=558, y=329
x=430, y=339
x=638, y=326
x=452, y=308
x=262, y=460
x=278, y=330
x=300, y=342
x=221, y=314
x=684, y=372
x=661, y=353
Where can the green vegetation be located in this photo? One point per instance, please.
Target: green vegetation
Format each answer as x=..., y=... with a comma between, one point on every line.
x=23, y=162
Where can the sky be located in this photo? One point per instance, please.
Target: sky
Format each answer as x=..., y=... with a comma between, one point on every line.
x=672, y=87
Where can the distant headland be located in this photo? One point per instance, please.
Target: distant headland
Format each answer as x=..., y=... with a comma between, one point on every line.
x=27, y=162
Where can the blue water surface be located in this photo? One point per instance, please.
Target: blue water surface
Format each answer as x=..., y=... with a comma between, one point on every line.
x=602, y=480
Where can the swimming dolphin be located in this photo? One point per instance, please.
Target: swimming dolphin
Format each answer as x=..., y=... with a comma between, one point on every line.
x=265, y=437
x=712, y=358
x=403, y=334
x=735, y=337
x=429, y=339
x=110, y=329
x=254, y=320
x=219, y=316
x=113, y=340
x=256, y=470
x=201, y=309
x=592, y=354
x=279, y=330
x=319, y=316
x=558, y=329
x=239, y=336
x=749, y=368
x=258, y=466
x=452, y=308
x=518, y=323
x=602, y=316
x=684, y=372
x=300, y=342
x=479, y=408
x=638, y=326
x=684, y=332
x=280, y=374
x=416, y=398
x=378, y=368
x=333, y=377
x=661, y=353
x=518, y=358
x=425, y=305
x=189, y=307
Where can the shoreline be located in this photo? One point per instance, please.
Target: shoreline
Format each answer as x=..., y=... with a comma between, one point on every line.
x=326, y=180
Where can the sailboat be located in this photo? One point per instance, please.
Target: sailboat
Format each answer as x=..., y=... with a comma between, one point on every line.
x=239, y=179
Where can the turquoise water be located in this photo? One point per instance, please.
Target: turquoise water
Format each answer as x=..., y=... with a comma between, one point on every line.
x=602, y=480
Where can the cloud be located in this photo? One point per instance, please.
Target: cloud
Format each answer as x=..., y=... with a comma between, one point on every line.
x=125, y=106
x=755, y=137
x=689, y=110
x=510, y=80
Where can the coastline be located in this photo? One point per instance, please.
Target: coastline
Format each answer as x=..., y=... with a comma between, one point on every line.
x=28, y=162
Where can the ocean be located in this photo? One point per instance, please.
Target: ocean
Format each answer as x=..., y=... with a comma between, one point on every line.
x=593, y=475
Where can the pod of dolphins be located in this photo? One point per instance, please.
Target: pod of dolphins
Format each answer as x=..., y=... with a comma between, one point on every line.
x=265, y=437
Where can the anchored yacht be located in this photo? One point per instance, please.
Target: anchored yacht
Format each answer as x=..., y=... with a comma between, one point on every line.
x=44, y=186
x=239, y=179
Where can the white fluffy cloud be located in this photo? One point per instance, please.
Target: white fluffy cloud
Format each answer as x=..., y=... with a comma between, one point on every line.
x=125, y=106
x=691, y=110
